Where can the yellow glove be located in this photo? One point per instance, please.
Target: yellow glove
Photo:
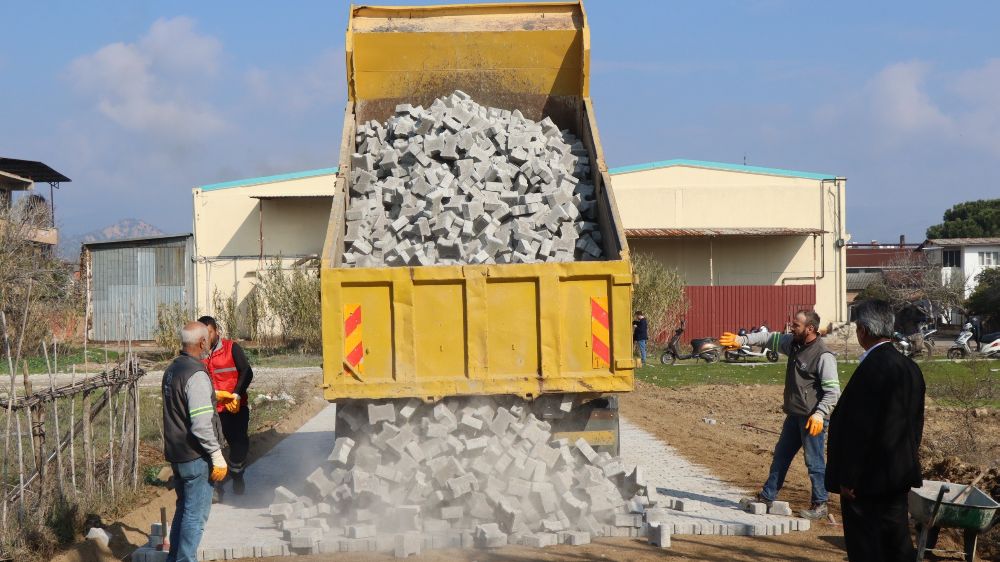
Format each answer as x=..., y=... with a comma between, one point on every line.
x=815, y=424
x=233, y=406
x=729, y=339
x=223, y=397
x=219, y=467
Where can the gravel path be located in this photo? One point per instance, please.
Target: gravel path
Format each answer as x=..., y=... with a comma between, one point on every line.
x=713, y=503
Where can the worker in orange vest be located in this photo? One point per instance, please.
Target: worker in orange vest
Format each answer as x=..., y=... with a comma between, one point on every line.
x=231, y=375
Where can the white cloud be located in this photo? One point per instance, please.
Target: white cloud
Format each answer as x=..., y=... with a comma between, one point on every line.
x=899, y=101
x=143, y=86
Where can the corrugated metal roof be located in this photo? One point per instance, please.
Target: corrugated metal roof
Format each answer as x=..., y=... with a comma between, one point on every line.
x=270, y=179
x=992, y=241
x=137, y=240
x=35, y=171
x=860, y=281
x=726, y=166
x=702, y=232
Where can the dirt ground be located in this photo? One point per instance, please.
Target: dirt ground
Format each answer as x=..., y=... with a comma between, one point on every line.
x=738, y=454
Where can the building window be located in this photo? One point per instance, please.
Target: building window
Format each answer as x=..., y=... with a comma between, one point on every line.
x=952, y=258
x=988, y=259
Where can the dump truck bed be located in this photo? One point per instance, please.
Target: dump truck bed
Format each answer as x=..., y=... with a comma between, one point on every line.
x=520, y=329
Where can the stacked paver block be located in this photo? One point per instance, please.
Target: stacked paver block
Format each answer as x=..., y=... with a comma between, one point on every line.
x=483, y=472
x=461, y=183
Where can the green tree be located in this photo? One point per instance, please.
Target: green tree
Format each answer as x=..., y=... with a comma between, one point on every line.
x=972, y=219
x=985, y=299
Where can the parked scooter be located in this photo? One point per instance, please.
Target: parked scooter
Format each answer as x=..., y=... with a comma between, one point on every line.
x=914, y=344
x=701, y=348
x=961, y=350
x=747, y=352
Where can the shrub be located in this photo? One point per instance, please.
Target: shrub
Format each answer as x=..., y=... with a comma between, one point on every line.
x=292, y=297
x=170, y=318
x=658, y=292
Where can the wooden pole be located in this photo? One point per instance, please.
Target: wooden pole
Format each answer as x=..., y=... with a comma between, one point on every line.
x=11, y=398
x=20, y=468
x=35, y=453
x=55, y=411
x=88, y=445
x=72, y=433
x=111, y=441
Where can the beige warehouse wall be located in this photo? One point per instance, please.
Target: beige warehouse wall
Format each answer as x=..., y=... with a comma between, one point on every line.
x=689, y=197
x=227, y=227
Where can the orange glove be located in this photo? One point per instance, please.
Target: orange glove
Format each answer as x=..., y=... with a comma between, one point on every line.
x=815, y=424
x=223, y=397
x=219, y=467
x=729, y=339
x=233, y=406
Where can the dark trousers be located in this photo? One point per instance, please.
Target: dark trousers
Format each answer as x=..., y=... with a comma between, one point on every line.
x=235, y=428
x=877, y=530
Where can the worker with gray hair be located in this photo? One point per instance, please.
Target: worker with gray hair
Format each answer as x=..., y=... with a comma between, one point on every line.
x=191, y=441
x=875, y=435
x=811, y=392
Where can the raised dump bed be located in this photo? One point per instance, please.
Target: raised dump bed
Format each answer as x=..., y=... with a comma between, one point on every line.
x=444, y=330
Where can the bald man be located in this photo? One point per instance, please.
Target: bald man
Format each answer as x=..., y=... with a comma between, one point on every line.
x=191, y=441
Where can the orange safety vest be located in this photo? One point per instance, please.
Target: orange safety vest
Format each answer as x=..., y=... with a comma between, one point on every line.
x=222, y=369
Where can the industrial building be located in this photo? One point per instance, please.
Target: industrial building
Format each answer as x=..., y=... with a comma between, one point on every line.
x=754, y=244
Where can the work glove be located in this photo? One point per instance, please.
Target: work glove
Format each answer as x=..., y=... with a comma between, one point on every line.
x=219, y=467
x=729, y=339
x=815, y=424
x=223, y=397
x=233, y=406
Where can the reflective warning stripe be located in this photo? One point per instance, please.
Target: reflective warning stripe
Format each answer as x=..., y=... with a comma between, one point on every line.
x=225, y=369
x=600, y=332
x=354, y=351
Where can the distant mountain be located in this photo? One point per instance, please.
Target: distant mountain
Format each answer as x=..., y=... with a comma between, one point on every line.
x=69, y=246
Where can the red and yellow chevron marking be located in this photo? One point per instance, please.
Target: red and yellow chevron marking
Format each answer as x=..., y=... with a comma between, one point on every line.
x=599, y=332
x=354, y=350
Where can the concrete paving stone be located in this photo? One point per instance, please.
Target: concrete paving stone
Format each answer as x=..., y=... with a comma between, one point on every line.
x=408, y=544
x=756, y=508
x=780, y=508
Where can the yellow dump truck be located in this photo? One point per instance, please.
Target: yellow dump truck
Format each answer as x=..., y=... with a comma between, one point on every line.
x=526, y=330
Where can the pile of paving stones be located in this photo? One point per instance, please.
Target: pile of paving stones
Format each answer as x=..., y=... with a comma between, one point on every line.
x=461, y=183
x=473, y=472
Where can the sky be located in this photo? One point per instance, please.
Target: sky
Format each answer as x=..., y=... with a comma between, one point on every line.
x=140, y=101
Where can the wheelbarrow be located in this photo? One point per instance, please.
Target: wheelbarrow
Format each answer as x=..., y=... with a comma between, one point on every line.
x=937, y=505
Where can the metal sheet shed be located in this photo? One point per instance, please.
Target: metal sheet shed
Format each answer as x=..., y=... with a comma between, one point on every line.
x=129, y=280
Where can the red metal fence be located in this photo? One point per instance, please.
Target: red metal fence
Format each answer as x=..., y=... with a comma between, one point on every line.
x=713, y=310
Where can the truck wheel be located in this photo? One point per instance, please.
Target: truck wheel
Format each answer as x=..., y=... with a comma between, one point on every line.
x=772, y=356
x=668, y=358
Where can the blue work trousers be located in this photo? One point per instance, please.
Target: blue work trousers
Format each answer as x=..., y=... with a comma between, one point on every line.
x=795, y=436
x=194, y=501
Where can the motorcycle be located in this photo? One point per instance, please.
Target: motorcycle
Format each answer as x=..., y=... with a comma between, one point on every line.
x=914, y=344
x=701, y=348
x=961, y=350
x=746, y=352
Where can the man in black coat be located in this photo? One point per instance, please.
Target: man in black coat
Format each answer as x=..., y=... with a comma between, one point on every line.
x=875, y=434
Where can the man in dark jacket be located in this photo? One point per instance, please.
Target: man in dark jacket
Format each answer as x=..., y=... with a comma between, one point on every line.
x=191, y=441
x=640, y=333
x=875, y=434
x=231, y=376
